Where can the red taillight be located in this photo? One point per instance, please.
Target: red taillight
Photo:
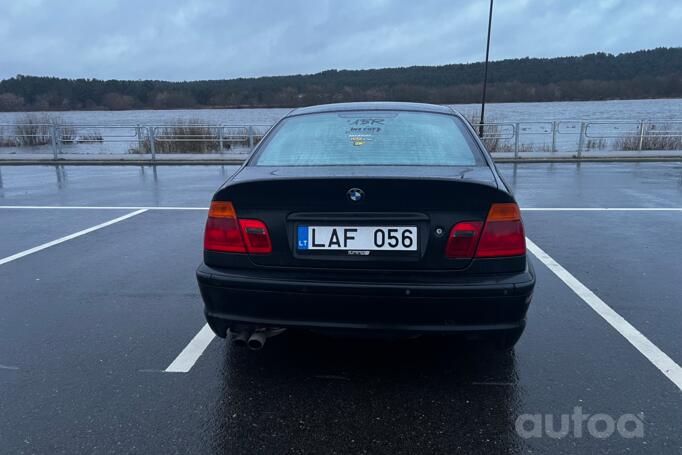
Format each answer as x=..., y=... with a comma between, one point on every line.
x=224, y=232
x=500, y=235
x=503, y=232
x=222, y=229
x=463, y=239
x=256, y=236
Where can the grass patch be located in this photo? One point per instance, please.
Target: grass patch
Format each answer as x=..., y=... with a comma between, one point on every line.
x=5, y=141
x=596, y=144
x=523, y=148
x=191, y=136
x=34, y=130
x=68, y=134
x=493, y=139
x=658, y=137
x=30, y=131
x=90, y=138
x=187, y=136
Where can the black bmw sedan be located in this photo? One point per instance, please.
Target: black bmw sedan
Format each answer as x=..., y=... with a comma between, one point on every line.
x=381, y=218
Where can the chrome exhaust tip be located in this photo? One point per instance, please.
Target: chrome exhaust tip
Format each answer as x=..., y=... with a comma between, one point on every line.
x=240, y=339
x=257, y=340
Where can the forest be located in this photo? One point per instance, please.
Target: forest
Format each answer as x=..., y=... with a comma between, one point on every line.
x=655, y=73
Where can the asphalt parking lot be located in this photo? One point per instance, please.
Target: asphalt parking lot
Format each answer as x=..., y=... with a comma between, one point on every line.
x=98, y=300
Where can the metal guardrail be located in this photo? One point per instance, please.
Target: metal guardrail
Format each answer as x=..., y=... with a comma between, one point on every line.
x=595, y=130
x=241, y=139
x=222, y=137
x=146, y=139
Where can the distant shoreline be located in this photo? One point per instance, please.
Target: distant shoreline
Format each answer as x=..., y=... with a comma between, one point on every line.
x=646, y=74
x=246, y=107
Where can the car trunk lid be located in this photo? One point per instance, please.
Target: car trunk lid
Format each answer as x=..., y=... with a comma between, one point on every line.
x=426, y=201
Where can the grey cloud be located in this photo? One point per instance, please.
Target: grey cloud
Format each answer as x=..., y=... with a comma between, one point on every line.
x=204, y=39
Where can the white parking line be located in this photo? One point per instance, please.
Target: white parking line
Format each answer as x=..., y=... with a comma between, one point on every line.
x=191, y=353
x=68, y=237
x=189, y=356
x=527, y=209
x=602, y=209
x=88, y=207
x=660, y=359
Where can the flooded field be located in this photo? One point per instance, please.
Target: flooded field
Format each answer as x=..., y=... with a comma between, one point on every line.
x=116, y=132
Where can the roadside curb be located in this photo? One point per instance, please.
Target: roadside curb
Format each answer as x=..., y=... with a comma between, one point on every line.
x=232, y=162
x=594, y=159
x=237, y=162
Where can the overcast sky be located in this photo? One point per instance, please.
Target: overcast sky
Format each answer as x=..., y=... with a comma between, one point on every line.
x=206, y=39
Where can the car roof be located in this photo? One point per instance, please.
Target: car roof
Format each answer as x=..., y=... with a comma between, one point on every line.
x=373, y=106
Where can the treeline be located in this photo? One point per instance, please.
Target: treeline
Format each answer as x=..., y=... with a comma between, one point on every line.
x=653, y=73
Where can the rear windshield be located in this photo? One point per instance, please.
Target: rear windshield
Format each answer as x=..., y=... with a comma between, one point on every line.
x=370, y=138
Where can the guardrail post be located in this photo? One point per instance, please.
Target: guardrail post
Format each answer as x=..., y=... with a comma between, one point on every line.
x=555, y=124
x=641, y=135
x=250, y=138
x=140, y=142
x=517, y=132
x=54, y=139
x=220, y=133
x=581, y=139
x=152, y=142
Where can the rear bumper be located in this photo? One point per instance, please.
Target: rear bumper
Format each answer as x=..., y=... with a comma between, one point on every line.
x=385, y=303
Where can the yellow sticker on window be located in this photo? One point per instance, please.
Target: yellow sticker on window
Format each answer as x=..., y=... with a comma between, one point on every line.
x=358, y=140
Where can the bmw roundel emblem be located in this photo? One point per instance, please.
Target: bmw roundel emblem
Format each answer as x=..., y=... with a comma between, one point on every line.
x=355, y=194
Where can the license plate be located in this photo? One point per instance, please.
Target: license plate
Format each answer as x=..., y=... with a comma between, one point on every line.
x=357, y=238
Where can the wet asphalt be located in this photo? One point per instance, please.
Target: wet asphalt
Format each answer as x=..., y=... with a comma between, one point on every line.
x=88, y=326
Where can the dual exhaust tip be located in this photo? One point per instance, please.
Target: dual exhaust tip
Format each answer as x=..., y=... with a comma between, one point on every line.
x=254, y=339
